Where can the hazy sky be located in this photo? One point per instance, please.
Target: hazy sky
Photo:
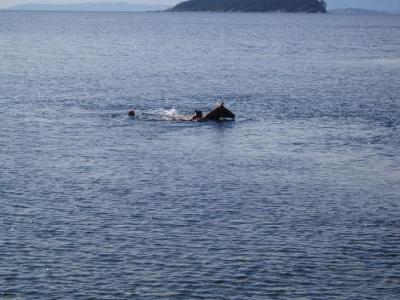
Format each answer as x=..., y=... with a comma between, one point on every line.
x=368, y=4
x=8, y=3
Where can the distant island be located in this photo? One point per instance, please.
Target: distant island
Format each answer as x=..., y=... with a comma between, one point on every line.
x=90, y=6
x=309, y=6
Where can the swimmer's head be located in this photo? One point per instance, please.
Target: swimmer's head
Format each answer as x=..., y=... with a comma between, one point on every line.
x=131, y=113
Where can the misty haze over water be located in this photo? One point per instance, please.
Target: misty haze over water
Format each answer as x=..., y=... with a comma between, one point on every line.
x=374, y=5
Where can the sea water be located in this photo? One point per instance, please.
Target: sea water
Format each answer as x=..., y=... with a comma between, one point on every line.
x=298, y=198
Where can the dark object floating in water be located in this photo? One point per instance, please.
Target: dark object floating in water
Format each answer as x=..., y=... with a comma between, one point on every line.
x=131, y=113
x=309, y=6
x=219, y=113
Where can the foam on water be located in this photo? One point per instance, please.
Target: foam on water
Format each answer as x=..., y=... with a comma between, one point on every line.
x=164, y=114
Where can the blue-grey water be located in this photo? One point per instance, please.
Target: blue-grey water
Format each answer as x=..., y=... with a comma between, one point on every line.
x=297, y=199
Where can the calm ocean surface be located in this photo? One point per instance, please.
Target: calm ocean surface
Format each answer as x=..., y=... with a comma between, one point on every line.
x=297, y=199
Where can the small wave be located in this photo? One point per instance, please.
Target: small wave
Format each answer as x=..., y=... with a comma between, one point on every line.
x=164, y=114
x=159, y=114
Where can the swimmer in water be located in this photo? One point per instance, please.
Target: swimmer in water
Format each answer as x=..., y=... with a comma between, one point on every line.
x=198, y=115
